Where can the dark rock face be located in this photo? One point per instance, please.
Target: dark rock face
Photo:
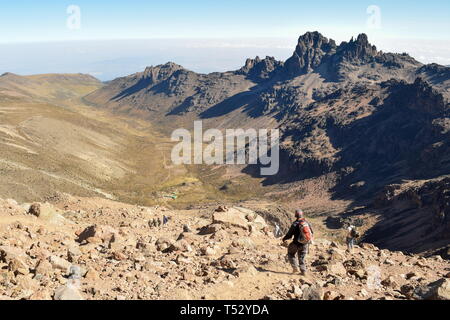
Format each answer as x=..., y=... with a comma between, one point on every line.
x=420, y=96
x=402, y=132
x=416, y=218
x=438, y=76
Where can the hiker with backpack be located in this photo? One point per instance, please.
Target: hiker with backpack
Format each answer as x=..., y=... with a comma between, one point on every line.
x=352, y=235
x=302, y=233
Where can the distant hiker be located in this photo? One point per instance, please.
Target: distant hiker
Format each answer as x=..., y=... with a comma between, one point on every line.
x=277, y=232
x=165, y=220
x=352, y=235
x=302, y=232
x=75, y=272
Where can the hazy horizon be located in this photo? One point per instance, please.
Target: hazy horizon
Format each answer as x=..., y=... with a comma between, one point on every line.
x=113, y=39
x=109, y=59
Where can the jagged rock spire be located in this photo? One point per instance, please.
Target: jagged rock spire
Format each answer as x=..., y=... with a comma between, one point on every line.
x=311, y=49
x=161, y=72
x=359, y=50
x=260, y=69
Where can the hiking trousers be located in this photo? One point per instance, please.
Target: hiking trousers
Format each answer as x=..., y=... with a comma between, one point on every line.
x=301, y=250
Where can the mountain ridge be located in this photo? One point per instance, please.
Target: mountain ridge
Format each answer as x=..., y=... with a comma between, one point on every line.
x=314, y=54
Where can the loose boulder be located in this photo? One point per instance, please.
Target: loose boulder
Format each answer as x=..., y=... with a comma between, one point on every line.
x=438, y=290
x=313, y=292
x=15, y=259
x=106, y=234
x=240, y=218
x=67, y=292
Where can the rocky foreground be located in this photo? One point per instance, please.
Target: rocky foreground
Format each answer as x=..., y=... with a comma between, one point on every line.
x=92, y=248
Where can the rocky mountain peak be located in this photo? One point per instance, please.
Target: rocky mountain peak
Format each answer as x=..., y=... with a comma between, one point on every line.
x=313, y=40
x=311, y=49
x=260, y=69
x=358, y=50
x=160, y=72
x=363, y=40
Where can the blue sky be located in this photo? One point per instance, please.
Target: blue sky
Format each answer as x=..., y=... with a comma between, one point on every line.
x=419, y=27
x=44, y=20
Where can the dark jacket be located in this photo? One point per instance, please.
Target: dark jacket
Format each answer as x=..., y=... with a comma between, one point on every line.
x=294, y=231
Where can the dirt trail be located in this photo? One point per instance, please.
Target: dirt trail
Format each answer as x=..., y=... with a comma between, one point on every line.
x=126, y=252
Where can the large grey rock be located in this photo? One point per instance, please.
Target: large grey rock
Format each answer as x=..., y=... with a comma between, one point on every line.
x=313, y=292
x=68, y=292
x=438, y=290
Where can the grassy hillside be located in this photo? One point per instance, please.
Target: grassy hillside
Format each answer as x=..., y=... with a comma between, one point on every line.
x=51, y=142
x=56, y=88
